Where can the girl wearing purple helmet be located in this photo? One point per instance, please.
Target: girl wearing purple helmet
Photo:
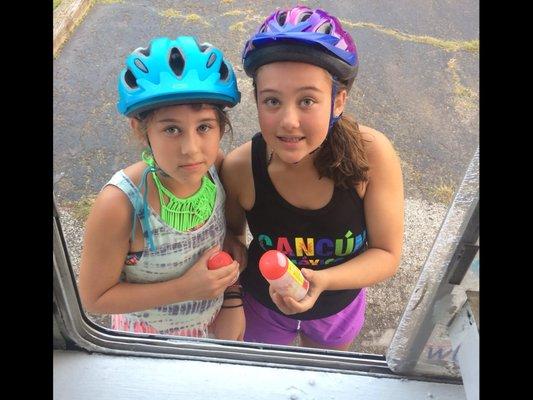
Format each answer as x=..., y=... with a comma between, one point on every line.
x=313, y=184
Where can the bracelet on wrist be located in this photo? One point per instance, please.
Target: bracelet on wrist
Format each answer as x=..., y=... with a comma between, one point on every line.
x=238, y=305
x=232, y=295
x=235, y=286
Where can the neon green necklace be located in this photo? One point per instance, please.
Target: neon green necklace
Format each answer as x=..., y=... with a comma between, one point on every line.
x=188, y=213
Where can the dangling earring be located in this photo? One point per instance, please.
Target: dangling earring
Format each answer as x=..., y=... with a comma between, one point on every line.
x=148, y=157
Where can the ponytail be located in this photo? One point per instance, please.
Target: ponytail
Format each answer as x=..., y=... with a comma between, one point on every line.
x=342, y=156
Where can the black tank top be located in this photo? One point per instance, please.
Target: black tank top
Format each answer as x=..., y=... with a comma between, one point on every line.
x=315, y=239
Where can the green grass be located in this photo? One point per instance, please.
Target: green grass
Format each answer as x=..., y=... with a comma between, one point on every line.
x=81, y=209
x=56, y=3
x=194, y=18
x=448, y=45
x=444, y=192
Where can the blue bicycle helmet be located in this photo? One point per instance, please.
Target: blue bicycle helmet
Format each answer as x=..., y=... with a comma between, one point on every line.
x=175, y=72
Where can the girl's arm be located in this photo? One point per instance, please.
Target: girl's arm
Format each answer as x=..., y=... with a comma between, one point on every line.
x=219, y=160
x=236, y=176
x=230, y=322
x=106, y=244
x=384, y=213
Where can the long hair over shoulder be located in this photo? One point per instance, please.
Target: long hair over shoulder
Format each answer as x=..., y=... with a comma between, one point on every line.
x=342, y=156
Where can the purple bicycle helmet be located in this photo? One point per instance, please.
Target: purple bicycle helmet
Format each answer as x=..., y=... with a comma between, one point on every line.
x=305, y=35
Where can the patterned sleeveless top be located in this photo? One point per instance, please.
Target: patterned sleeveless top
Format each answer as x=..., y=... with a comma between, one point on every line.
x=175, y=252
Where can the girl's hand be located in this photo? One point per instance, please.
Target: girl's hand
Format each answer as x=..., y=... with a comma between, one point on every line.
x=236, y=249
x=288, y=306
x=205, y=284
x=230, y=322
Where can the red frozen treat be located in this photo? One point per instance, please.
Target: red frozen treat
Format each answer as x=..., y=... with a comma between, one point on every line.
x=281, y=273
x=219, y=259
x=273, y=264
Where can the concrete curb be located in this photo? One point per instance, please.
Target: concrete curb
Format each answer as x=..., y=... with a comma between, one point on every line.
x=66, y=17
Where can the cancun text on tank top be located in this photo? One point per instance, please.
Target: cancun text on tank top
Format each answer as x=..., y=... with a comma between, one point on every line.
x=314, y=239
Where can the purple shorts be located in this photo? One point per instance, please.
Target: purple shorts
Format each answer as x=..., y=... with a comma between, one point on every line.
x=264, y=325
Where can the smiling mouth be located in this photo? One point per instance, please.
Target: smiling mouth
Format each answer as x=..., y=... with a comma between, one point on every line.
x=290, y=139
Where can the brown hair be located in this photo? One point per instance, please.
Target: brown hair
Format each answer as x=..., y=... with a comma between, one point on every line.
x=221, y=115
x=342, y=156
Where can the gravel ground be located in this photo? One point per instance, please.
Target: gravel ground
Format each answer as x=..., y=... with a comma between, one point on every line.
x=385, y=301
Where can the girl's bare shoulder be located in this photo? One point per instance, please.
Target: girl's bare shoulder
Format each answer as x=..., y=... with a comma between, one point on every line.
x=241, y=154
x=383, y=159
x=135, y=172
x=237, y=174
x=237, y=165
x=112, y=203
x=377, y=145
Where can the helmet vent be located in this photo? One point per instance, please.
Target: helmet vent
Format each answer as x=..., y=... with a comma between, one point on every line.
x=203, y=47
x=140, y=65
x=176, y=61
x=325, y=28
x=130, y=79
x=211, y=60
x=145, y=52
x=305, y=16
x=281, y=18
x=224, y=71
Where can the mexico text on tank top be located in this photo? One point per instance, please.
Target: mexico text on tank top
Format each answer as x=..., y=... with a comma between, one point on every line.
x=175, y=253
x=315, y=239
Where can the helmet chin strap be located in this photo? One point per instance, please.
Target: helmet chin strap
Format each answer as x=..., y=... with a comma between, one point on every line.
x=332, y=118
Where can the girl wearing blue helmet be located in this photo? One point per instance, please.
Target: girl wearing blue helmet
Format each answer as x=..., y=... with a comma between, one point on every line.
x=312, y=184
x=155, y=223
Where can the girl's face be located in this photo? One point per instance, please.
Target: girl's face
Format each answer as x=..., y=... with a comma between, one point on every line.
x=294, y=105
x=184, y=141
